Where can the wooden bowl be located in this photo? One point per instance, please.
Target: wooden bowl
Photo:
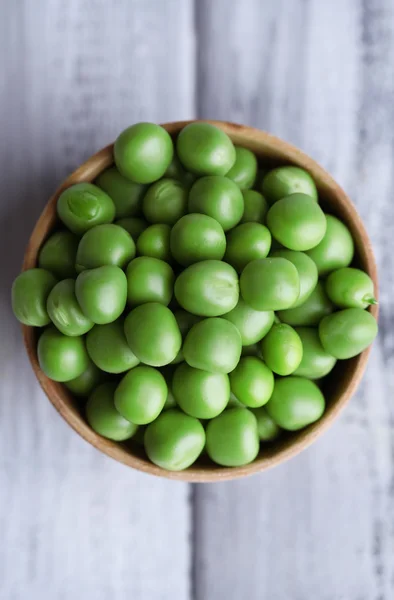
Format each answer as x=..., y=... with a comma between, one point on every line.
x=340, y=385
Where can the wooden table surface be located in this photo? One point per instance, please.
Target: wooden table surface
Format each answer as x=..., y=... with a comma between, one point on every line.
x=73, y=523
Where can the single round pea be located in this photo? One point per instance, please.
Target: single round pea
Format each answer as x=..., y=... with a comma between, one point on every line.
x=102, y=293
x=252, y=382
x=153, y=334
x=108, y=348
x=232, y=438
x=165, y=201
x=126, y=195
x=252, y=324
x=83, y=206
x=283, y=181
x=307, y=272
x=205, y=149
x=29, y=295
x=103, y=417
x=61, y=357
x=315, y=307
x=213, y=345
x=141, y=395
x=247, y=242
x=267, y=429
x=316, y=362
x=255, y=207
x=155, y=242
x=295, y=403
x=350, y=288
x=185, y=322
x=208, y=288
x=297, y=222
x=58, y=254
x=219, y=198
x=133, y=225
x=282, y=349
x=270, y=284
x=174, y=440
x=143, y=152
x=244, y=170
x=197, y=237
x=84, y=384
x=199, y=393
x=335, y=250
x=149, y=280
x=64, y=310
x=105, y=245
x=348, y=332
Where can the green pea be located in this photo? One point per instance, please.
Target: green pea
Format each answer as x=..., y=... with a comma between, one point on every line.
x=102, y=293
x=108, y=348
x=58, y=254
x=255, y=207
x=185, y=322
x=197, y=237
x=315, y=307
x=153, y=334
x=199, y=393
x=165, y=202
x=245, y=243
x=316, y=362
x=282, y=349
x=83, y=206
x=176, y=171
x=219, y=198
x=155, y=242
x=307, y=272
x=174, y=440
x=61, y=357
x=350, y=288
x=141, y=395
x=84, y=384
x=105, y=245
x=133, y=225
x=267, y=429
x=252, y=382
x=103, y=417
x=232, y=438
x=126, y=195
x=348, y=332
x=208, y=288
x=295, y=403
x=205, y=150
x=297, y=222
x=252, y=324
x=29, y=294
x=64, y=310
x=168, y=372
x=149, y=280
x=244, y=170
x=270, y=284
x=213, y=345
x=335, y=250
x=143, y=152
x=283, y=181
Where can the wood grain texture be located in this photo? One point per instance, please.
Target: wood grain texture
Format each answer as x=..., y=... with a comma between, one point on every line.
x=73, y=73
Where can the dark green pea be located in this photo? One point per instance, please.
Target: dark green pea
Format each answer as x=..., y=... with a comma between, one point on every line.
x=134, y=225
x=270, y=284
x=261, y=173
x=108, y=348
x=84, y=384
x=102, y=293
x=58, y=254
x=244, y=170
x=316, y=362
x=348, y=332
x=307, y=272
x=255, y=207
x=335, y=250
x=350, y=288
x=252, y=324
x=297, y=222
x=105, y=245
x=252, y=350
x=197, y=237
x=232, y=438
x=295, y=403
x=176, y=171
x=103, y=417
x=205, y=149
x=165, y=202
x=315, y=307
x=143, y=152
x=185, y=322
x=199, y=393
x=153, y=334
x=208, y=288
x=267, y=429
x=83, y=206
x=213, y=345
x=149, y=280
x=252, y=382
x=174, y=441
x=245, y=243
x=168, y=372
x=64, y=310
x=283, y=181
x=29, y=295
x=61, y=357
x=126, y=195
x=219, y=198
x=155, y=242
x=141, y=395
x=282, y=349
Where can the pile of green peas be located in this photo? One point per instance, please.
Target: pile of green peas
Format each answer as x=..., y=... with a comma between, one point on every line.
x=195, y=297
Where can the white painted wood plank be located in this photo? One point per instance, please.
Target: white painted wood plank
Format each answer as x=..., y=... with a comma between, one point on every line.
x=73, y=73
